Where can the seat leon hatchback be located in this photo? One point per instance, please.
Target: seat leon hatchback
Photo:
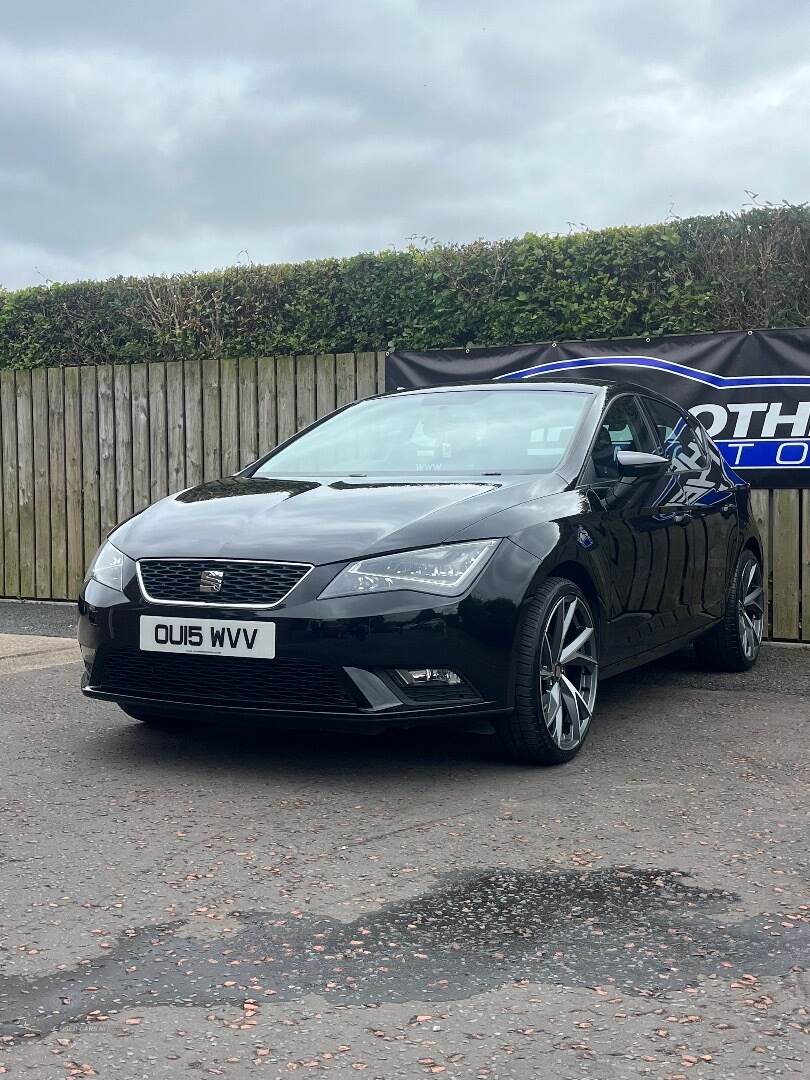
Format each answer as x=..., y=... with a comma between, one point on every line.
x=477, y=553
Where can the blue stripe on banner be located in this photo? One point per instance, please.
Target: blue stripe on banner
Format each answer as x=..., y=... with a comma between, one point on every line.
x=719, y=382
x=765, y=453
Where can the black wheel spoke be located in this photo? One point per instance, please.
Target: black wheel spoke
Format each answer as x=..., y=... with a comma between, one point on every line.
x=751, y=608
x=568, y=671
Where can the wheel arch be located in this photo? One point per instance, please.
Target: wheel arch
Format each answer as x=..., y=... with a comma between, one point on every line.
x=581, y=576
x=753, y=544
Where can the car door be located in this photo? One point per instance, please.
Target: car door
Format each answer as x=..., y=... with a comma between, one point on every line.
x=708, y=500
x=637, y=534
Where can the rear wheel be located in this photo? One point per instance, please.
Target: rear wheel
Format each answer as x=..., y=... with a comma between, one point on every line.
x=557, y=671
x=733, y=645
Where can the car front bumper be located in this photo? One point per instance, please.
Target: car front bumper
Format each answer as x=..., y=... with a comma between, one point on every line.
x=335, y=659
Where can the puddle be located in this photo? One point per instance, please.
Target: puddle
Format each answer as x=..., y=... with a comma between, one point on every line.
x=636, y=929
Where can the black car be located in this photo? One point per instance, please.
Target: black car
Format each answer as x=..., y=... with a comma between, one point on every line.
x=476, y=552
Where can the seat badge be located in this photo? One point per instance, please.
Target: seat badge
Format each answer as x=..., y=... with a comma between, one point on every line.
x=211, y=581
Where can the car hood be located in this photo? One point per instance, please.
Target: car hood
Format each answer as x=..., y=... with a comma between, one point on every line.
x=319, y=521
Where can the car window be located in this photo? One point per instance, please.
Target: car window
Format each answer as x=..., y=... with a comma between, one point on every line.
x=677, y=439
x=622, y=428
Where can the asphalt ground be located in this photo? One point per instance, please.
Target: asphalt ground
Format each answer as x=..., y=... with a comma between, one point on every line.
x=234, y=903
x=39, y=617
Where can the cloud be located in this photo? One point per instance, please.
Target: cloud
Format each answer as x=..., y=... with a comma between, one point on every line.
x=158, y=137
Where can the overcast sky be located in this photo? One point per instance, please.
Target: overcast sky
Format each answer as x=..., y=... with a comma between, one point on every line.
x=172, y=135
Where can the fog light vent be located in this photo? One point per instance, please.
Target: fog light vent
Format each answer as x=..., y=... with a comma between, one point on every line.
x=434, y=685
x=429, y=677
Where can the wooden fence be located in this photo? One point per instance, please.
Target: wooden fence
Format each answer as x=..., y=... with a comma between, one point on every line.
x=83, y=447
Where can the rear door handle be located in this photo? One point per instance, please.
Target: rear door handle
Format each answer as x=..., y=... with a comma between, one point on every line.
x=679, y=514
x=728, y=506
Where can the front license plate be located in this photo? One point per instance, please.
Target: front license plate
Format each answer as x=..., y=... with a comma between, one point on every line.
x=214, y=637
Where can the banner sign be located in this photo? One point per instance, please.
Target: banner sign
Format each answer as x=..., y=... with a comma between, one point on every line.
x=749, y=389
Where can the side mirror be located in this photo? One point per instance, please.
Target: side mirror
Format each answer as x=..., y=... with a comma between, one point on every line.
x=636, y=463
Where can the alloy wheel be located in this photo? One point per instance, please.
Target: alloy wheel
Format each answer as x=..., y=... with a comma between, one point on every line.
x=751, y=608
x=569, y=671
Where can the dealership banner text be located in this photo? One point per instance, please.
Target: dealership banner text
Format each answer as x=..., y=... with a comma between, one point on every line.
x=750, y=389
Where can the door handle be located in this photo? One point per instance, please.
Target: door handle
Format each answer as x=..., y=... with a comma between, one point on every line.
x=678, y=513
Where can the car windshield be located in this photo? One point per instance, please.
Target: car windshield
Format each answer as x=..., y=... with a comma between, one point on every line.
x=454, y=431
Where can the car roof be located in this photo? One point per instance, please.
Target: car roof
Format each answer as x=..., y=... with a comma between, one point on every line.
x=539, y=382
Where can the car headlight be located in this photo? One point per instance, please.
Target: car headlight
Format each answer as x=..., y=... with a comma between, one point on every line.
x=108, y=567
x=446, y=570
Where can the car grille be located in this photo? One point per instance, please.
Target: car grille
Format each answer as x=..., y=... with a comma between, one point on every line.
x=232, y=681
x=249, y=583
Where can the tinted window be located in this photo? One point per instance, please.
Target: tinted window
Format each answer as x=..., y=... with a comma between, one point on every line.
x=677, y=438
x=456, y=431
x=623, y=428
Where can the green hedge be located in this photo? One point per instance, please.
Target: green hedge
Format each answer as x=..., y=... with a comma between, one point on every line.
x=730, y=271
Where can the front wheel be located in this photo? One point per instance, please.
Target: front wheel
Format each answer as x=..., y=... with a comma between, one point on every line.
x=556, y=676
x=733, y=645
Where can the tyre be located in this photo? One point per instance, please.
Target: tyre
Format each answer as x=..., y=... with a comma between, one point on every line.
x=733, y=645
x=556, y=676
